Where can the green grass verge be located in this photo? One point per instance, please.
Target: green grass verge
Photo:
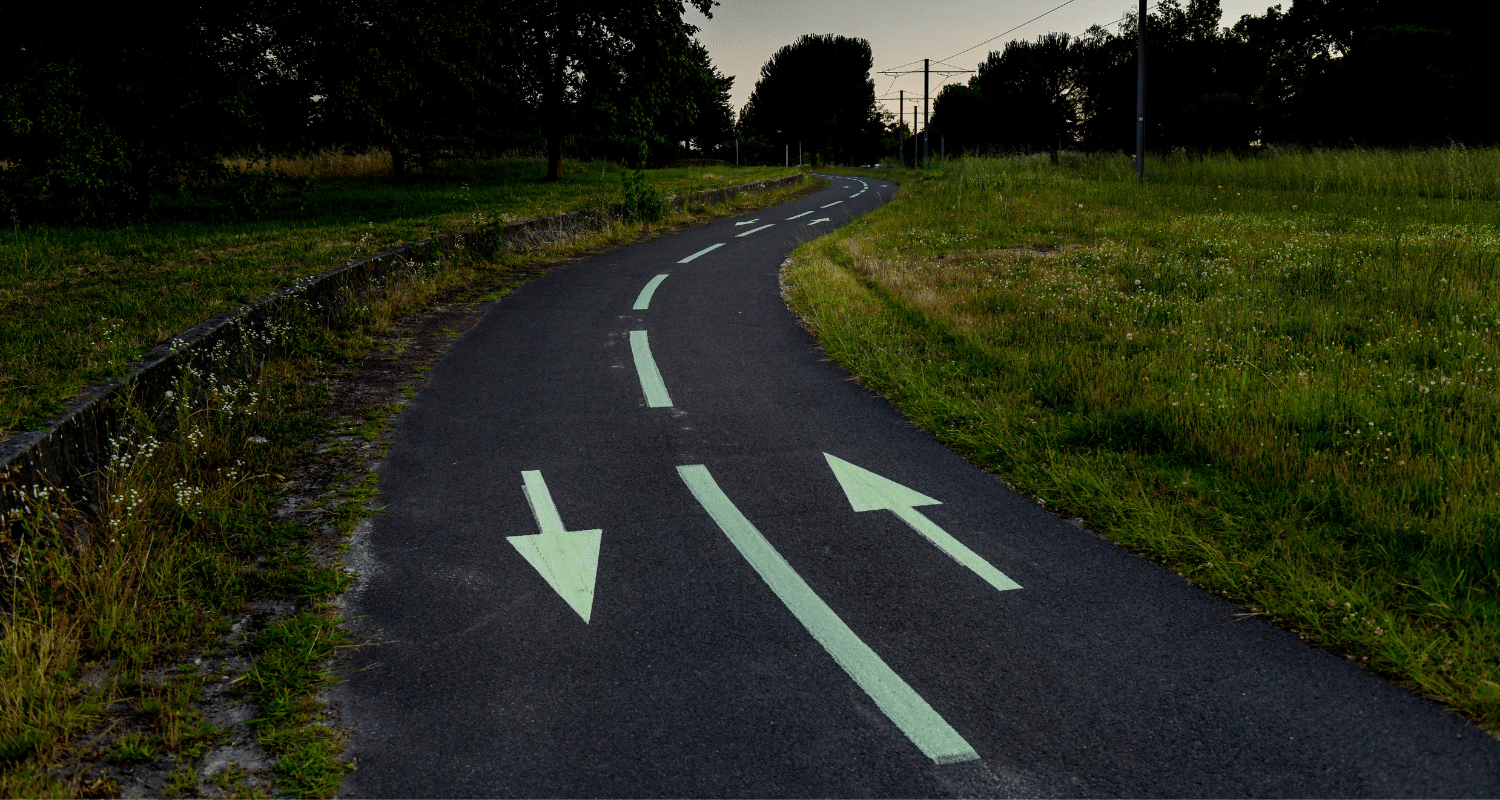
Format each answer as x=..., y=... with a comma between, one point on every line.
x=77, y=304
x=1275, y=374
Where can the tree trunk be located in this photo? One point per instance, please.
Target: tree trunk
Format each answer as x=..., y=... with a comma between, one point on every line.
x=554, y=155
x=553, y=105
x=398, y=161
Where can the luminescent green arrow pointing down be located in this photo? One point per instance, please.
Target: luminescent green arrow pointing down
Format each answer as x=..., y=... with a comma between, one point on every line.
x=870, y=492
x=567, y=560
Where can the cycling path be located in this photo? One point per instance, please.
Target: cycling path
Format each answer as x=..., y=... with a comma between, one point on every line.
x=642, y=538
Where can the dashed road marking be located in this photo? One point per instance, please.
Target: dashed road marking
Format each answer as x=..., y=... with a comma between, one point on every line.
x=753, y=230
x=645, y=367
x=708, y=249
x=643, y=301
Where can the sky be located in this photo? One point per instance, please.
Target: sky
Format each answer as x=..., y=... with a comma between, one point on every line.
x=744, y=33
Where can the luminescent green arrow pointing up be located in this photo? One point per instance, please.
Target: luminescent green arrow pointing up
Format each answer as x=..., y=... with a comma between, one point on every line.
x=870, y=492
x=567, y=560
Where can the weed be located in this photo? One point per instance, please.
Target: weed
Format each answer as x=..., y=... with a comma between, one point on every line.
x=182, y=783
x=134, y=747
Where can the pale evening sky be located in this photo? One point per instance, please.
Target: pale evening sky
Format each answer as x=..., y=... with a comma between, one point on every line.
x=744, y=33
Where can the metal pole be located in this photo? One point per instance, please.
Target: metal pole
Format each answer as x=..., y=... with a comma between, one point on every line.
x=799, y=153
x=926, y=74
x=786, y=160
x=901, y=127
x=736, y=151
x=1140, y=98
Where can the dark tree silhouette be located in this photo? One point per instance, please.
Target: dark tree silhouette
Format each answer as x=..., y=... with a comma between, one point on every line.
x=818, y=91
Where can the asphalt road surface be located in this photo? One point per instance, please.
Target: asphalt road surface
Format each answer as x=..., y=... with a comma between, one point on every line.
x=643, y=539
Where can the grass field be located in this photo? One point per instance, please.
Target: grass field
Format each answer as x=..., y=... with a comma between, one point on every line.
x=77, y=303
x=1275, y=374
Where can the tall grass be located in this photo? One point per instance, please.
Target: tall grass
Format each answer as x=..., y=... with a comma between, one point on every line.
x=332, y=163
x=1278, y=373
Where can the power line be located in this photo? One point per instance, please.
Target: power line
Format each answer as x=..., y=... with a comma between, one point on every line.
x=1018, y=27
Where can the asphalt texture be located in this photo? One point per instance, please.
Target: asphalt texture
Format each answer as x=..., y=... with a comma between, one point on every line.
x=1104, y=675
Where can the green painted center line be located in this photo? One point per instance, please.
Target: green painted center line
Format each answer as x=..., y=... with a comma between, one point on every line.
x=708, y=249
x=803, y=214
x=922, y=725
x=831, y=205
x=643, y=302
x=753, y=230
x=645, y=366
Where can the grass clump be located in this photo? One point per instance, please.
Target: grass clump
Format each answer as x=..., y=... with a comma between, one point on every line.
x=1275, y=374
x=148, y=571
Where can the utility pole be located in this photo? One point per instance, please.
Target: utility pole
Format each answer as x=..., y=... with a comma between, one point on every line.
x=901, y=127
x=926, y=77
x=736, y=151
x=1140, y=97
x=786, y=160
x=922, y=151
x=799, y=153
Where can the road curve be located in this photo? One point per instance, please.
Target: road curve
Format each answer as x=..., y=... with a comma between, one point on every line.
x=643, y=539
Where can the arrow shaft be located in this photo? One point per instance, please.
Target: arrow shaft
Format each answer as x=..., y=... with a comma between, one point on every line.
x=542, y=507
x=954, y=548
x=925, y=727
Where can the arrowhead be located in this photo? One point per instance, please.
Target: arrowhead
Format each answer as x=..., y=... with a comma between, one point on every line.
x=870, y=492
x=568, y=560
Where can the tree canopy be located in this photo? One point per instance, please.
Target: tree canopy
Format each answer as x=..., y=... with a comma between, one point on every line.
x=818, y=91
x=1324, y=73
x=105, y=110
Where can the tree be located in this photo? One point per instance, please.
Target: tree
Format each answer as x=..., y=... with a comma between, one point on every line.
x=1030, y=92
x=960, y=116
x=1376, y=72
x=572, y=59
x=818, y=91
x=105, y=105
x=707, y=89
x=405, y=75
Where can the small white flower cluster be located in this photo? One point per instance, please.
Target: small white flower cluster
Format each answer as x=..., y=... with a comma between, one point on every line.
x=33, y=496
x=128, y=500
x=186, y=496
x=124, y=458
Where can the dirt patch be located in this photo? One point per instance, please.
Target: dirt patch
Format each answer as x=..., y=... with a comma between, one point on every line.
x=1042, y=250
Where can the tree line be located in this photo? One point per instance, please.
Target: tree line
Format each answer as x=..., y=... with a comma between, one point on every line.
x=107, y=109
x=1336, y=73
